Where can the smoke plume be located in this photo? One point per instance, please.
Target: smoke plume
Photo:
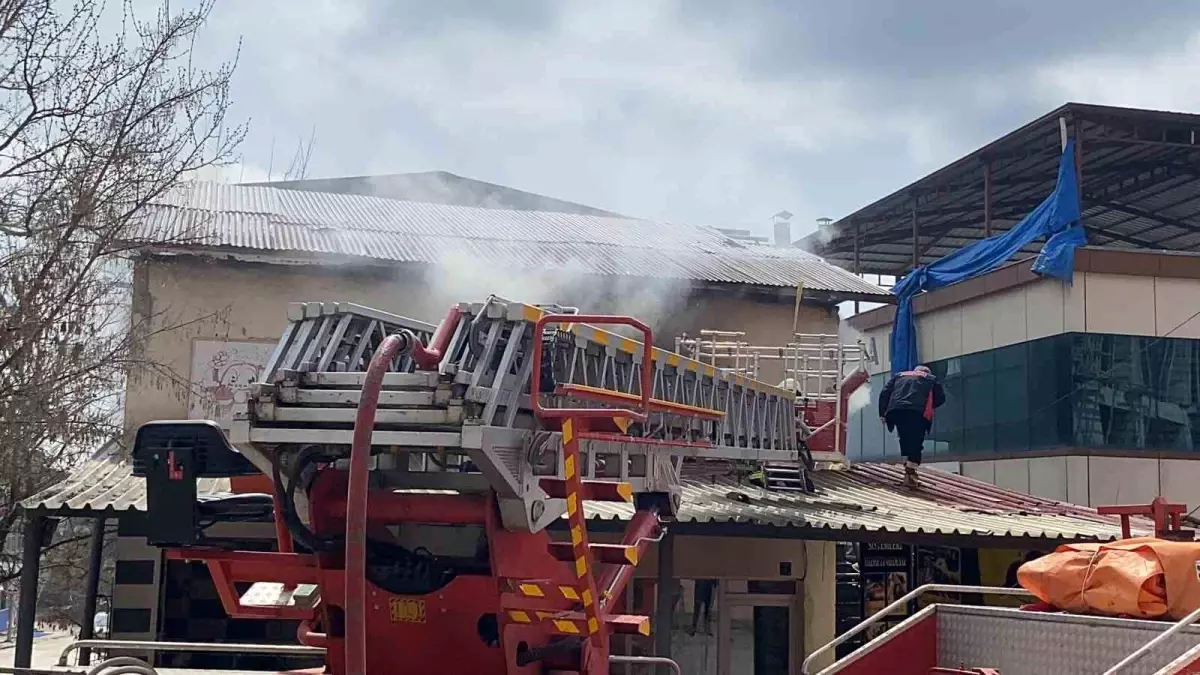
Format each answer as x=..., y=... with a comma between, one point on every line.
x=459, y=277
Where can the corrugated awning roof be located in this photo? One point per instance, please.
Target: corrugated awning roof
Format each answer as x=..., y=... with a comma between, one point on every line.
x=105, y=483
x=871, y=498
x=867, y=498
x=209, y=216
x=1138, y=189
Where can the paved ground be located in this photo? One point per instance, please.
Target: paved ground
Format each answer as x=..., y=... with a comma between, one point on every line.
x=45, y=650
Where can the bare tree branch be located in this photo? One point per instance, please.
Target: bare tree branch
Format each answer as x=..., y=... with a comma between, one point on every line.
x=93, y=129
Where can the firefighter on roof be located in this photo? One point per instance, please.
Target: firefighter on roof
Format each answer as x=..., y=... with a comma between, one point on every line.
x=906, y=406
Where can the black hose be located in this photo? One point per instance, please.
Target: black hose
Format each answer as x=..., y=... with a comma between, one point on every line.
x=291, y=518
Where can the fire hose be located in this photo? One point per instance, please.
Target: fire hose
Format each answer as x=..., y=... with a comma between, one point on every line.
x=356, y=501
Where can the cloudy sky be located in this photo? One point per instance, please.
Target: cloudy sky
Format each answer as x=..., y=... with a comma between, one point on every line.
x=699, y=111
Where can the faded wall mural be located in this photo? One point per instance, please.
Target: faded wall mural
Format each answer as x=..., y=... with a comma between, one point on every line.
x=222, y=373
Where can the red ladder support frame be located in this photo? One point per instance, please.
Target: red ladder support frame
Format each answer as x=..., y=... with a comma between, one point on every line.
x=574, y=423
x=1168, y=518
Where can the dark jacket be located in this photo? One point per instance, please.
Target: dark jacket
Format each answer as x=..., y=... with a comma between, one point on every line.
x=912, y=390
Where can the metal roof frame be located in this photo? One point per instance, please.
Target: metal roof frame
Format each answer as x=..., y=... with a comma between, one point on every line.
x=1140, y=184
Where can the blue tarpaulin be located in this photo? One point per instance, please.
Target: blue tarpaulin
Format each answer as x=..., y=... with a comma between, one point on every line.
x=1056, y=219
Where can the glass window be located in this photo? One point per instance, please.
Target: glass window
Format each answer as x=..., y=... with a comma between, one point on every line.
x=872, y=439
x=1134, y=392
x=978, y=392
x=1049, y=385
x=1012, y=398
x=946, y=437
x=1119, y=392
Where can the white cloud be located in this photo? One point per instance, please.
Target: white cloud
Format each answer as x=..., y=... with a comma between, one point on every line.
x=628, y=106
x=1166, y=80
x=618, y=104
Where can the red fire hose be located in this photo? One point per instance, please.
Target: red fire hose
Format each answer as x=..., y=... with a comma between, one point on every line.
x=428, y=358
x=356, y=506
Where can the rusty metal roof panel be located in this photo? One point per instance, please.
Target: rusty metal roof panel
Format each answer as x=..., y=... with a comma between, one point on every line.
x=209, y=215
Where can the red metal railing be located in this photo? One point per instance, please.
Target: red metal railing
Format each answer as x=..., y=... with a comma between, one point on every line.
x=647, y=384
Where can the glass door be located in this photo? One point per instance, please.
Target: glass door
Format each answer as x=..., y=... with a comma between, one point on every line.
x=698, y=612
x=761, y=633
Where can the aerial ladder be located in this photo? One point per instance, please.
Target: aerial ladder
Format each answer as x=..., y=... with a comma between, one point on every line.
x=823, y=370
x=431, y=484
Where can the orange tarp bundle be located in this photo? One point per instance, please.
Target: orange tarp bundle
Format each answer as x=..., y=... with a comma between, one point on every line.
x=1143, y=578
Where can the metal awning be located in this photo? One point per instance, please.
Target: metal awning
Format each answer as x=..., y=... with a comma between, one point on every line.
x=1140, y=187
x=864, y=499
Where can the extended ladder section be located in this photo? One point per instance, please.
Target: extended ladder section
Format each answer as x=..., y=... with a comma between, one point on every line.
x=457, y=415
x=811, y=364
x=821, y=369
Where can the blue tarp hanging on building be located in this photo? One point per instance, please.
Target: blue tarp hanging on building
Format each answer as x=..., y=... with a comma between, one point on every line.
x=1056, y=219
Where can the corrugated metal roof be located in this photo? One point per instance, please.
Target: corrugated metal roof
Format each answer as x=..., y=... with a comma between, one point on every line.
x=865, y=498
x=106, y=483
x=872, y=498
x=210, y=215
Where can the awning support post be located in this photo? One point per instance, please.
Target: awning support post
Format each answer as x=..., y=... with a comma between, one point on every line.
x=31, y=556
x=95, y=558
x=664, y=610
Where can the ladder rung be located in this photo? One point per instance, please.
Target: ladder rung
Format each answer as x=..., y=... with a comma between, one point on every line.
x=615, y=554
x=552, y=601
x=621, y=398
x=629, y=624
x=593, y=490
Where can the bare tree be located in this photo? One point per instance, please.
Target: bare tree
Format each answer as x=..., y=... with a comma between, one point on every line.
x=93, y=127
x=298, y=169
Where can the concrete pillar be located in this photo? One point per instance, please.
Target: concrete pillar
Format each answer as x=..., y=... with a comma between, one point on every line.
x=820, y=598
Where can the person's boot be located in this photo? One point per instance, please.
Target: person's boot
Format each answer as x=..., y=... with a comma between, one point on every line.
x=910, y=474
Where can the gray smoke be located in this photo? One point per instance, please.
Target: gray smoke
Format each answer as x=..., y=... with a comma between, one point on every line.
x=460, y=277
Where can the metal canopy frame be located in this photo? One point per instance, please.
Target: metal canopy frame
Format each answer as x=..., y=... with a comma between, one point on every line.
x=1139, y=176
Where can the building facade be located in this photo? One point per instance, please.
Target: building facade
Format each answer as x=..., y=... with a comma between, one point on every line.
x=1087, y=392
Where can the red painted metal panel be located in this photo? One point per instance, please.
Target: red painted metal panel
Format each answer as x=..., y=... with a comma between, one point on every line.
x=913, y=651
x=815, y=414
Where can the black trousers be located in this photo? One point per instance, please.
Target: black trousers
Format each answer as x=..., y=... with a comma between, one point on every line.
x=911, y=427
x=702, y=598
